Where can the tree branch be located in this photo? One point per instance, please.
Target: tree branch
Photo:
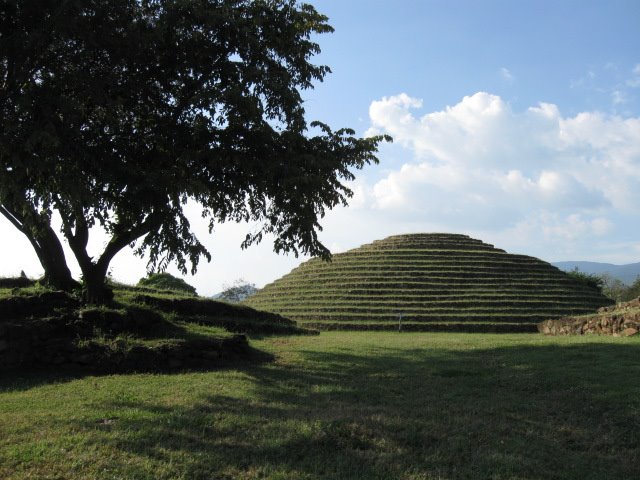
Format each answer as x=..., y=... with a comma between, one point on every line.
x=44, y=240
x=82, y=230
x=19, y=224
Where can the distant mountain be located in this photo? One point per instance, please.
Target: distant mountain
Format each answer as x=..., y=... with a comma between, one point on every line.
x=627, y=273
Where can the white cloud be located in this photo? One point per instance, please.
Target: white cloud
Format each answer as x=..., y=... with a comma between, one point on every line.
x=634, y=81
x=613, y=87
x=506, y=74
x=554, y=237
x=585, y=80
x=573, y=227
x=455, y=135
x=481, y=138
x=618, y=97
x=480, y=166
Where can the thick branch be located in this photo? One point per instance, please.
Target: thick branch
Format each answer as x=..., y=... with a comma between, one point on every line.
x=119, y=241
x=44, y=240
x=19, y=222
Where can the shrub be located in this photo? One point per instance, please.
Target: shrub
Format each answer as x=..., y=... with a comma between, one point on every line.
x=166, y=281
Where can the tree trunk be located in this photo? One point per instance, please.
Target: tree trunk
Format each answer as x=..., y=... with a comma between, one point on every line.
x=95, y=272
x=54, y=262
x=95, y=290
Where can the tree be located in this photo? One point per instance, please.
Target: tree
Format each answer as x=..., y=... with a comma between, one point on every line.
x=238, y=291
x=116, y=113
x=632, y=292
x=166, y=281
x=612, y=287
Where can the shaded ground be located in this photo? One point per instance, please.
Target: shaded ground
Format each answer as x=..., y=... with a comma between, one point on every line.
x=344, y=406
x=136, y=332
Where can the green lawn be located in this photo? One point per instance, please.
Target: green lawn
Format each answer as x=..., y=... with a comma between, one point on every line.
x=344, y=405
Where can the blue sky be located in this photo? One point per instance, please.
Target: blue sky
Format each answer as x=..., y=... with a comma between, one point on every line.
x=443, y=50
x=517, y=122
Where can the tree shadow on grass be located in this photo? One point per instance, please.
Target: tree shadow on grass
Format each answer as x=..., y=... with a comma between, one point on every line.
x=514, y=412
x=197, y=353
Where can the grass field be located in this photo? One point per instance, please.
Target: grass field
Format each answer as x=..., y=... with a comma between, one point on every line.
x=344, y=405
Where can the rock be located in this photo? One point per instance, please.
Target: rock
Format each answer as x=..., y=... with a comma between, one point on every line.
x=629, y=332
x=634, y=303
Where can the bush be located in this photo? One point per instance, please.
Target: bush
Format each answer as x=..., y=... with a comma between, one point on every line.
x=166, y=281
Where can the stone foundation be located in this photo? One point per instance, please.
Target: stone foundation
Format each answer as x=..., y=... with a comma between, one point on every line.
x=617, y=320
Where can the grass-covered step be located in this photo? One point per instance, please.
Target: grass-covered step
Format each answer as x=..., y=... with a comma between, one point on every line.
x=392, y=317
x=457, y=276
x=430, y=270
x=459, y=282
x=365, y=295
x=435, y=263
x=456, y=305
x=429, y=278
x=413, y=253
x=447, y=292
x=436, y=311
x=465, y=327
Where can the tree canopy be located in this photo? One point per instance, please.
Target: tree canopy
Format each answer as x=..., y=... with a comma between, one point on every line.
x=116, y=113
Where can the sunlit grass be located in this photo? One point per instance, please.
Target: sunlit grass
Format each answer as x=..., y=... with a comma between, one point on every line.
x=343, y=405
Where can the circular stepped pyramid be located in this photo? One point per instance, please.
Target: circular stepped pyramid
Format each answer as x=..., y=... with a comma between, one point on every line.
x=436, y=282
